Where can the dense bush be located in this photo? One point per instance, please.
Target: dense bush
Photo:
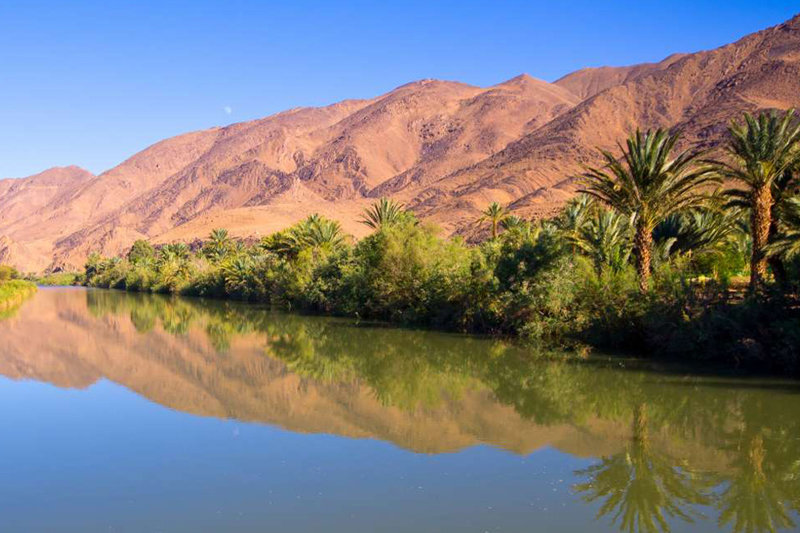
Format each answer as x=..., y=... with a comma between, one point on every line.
x=8, y=272
x=12, y=293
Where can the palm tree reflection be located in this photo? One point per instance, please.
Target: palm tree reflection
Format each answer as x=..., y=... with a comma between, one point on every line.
x=764, y=485
x=643, y=487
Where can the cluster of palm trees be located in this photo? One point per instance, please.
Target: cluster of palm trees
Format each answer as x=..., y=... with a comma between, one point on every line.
x=650, y=187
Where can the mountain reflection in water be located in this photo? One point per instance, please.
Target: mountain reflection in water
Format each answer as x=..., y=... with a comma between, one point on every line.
x=664, y=448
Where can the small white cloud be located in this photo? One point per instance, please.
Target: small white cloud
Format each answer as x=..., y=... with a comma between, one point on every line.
x=228, y=109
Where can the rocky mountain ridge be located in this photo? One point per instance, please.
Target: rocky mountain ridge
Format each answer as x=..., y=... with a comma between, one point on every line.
x=445, y=148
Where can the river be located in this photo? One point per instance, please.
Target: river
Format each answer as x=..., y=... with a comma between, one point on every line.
x=138, y=413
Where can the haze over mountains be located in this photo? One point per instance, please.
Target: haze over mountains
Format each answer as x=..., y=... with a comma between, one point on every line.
x=445, y=148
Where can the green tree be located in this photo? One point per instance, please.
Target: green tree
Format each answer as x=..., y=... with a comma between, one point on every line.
x=761, y=150
x=787, y=243
x=218, y=245
x=7, y=272
x=495, y=214
x=141, y=252
x=513, y=223
x=605, y=238
x=174, y=267
x=316, y=232
x=648, y=184
x=383, y=212
x=699, y=231
x=575, y=213
x=94, y=264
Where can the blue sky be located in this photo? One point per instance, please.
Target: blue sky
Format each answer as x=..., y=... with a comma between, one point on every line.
x=91, y=83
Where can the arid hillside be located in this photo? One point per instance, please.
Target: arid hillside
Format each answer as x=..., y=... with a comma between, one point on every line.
x=444, y=148
x=695, y=93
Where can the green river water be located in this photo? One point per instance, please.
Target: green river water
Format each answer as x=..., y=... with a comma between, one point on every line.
x=139, y=413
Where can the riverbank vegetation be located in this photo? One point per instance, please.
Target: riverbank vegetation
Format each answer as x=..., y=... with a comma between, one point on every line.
x=13, y=291
x=56, y=279
x=664, y=252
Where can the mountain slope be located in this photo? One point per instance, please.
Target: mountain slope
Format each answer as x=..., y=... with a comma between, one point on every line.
x=587, y=82
x=331, y=159
x=697, y=93
x=445, y=148
x=21, y=197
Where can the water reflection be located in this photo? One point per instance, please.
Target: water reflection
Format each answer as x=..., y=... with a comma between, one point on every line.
x=667, y=448
x=640, y=486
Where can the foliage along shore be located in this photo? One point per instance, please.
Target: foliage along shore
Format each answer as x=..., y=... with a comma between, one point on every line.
x=653, y=257
x=54, y=279
x=13, y=291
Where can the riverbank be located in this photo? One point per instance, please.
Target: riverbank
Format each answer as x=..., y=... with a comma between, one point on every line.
x=13, y=293
x=527, y=282
x=56, y=279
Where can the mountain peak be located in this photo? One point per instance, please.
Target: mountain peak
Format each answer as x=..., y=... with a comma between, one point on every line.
x=522, y=80
x=59, y=172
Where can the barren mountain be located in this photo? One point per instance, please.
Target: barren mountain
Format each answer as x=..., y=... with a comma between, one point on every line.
x=445, y=148
x=21, y=197
x=587, y=82
x=695, y=93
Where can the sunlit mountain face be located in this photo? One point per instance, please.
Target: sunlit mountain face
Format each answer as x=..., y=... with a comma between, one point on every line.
x=445, y=148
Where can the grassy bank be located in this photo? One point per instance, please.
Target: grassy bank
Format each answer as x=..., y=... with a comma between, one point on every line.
x=13, y=293
x=649, y=260
x=57, y=279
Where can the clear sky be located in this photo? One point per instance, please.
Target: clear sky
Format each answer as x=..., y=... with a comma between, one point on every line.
x=92, y=82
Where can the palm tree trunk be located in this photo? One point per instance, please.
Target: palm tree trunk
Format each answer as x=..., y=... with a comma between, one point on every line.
x=775, y=263
x=494, y=229
x=643, y=242
x=761, y=219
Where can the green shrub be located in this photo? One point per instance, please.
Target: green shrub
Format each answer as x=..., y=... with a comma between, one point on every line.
x=7, y=272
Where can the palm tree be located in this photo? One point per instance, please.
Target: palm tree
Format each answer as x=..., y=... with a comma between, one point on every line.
x=317, y=231
x=174, y=266
x=495, y=214
x=382, y=213
x=575, y=213
x=762, y=151
x=648, y=185
x=173, y=251
x=698, y=231
x=787, y=243
x=237, y=273
x=513, y=222
x=218, y=245
x=605, y=238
